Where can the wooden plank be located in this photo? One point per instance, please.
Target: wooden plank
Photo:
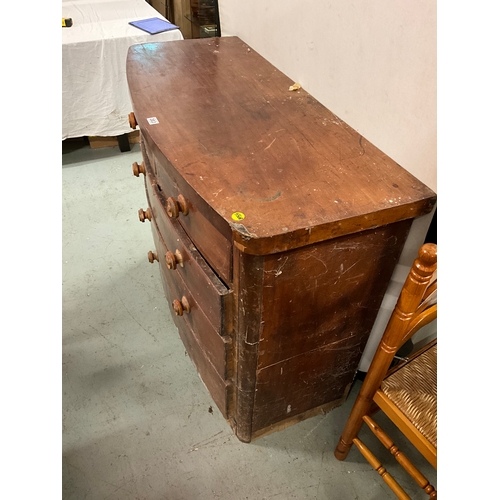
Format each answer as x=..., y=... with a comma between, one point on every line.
x=97, y=142
x=182, y=8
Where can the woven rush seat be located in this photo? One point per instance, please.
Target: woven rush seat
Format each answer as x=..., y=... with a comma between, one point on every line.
x=413, y=389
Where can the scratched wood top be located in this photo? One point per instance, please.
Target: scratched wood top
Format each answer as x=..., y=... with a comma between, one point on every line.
x=245, y=143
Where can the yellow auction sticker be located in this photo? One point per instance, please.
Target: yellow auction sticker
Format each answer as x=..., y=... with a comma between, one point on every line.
x=238, y=216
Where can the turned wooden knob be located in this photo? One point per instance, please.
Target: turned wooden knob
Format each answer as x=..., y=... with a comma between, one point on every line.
x=152, y=256
x=174, y=259
x=143, y=215
x=132, y=121
x=172, y=208
x=181, y=306
x=175, y=206
x=138, y=169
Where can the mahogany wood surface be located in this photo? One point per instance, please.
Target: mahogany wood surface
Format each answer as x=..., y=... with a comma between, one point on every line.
x=277, y=227
x=327, y=297
x=327, y=293
x=231, y=128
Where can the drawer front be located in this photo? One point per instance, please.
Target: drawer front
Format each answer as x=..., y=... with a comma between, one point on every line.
x=214, y=243
x=219, y=389
x=214, y=345
x=148, y=159
x=210, y=293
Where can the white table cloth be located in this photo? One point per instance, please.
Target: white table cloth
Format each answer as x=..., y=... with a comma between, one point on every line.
x=95, y=96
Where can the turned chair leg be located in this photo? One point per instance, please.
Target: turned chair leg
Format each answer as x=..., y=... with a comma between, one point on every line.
x=360, y=408
x=364, y=402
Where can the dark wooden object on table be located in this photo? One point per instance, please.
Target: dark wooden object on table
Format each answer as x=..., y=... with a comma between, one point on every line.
x=288, y=221
x=407, y=394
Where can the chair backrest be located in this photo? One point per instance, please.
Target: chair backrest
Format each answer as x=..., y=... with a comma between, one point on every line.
x=415, y=308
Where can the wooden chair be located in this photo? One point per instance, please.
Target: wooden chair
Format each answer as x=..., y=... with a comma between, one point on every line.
x=407, y=392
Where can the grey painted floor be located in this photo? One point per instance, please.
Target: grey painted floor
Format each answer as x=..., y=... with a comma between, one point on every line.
x=136, y=419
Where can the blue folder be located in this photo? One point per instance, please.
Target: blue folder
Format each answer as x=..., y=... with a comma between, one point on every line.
x=154, y=25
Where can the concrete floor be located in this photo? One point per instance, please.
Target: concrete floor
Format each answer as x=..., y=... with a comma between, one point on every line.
x=136, y=419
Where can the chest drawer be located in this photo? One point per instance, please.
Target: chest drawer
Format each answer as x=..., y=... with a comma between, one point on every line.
x=208, y=232
x=220, y=388
x=180, y=256
x=185, y=306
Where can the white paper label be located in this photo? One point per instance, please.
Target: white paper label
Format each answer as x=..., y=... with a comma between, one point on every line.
x=153, y=120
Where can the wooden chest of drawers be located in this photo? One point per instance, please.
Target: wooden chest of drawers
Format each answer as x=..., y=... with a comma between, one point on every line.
x=277, y=227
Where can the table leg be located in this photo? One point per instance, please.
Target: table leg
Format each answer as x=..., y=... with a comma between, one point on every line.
x=123, y=142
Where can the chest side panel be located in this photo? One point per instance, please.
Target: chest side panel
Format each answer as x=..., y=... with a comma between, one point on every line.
x=319, y=305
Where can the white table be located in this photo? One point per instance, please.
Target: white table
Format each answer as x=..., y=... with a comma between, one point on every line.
x=95, y=96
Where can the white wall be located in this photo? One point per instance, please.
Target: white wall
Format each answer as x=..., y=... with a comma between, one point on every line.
x=372, y=63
